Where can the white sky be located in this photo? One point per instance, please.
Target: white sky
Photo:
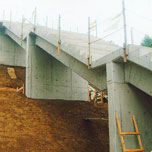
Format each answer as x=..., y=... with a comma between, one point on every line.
x=74, y=14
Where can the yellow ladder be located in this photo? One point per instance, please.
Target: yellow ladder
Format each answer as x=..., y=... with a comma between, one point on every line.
x=129, y=133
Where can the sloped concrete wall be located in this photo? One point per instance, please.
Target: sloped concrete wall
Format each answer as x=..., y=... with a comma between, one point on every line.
x=10, y=52
x=139, y=77
x=125, y=100
x=47, y=78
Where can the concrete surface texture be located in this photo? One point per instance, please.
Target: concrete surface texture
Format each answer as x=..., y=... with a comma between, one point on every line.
x=77, y=42
x=10, y=52
x=47, y=78
x=126, y=100
x=129, y=84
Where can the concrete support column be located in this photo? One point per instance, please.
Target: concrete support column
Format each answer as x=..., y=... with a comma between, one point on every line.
x=125, y=100
x=30, y=49
x=10, y=52
x=47, y=78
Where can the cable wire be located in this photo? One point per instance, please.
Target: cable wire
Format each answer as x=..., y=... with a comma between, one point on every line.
x=107, y=35
x=141, y=16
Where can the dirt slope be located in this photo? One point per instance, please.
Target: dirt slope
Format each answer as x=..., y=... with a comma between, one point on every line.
x=28, y=125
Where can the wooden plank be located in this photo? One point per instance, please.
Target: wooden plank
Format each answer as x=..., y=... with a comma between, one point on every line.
x=95, y=97
x=21, y=89
x=120, y=131
x=134, y=150
x=101, y=96
x=59, y=48
x=130, y=133
x=7, y=89
x=89, y=95
x=11, y=73
x=137, y=130
x=96, y=119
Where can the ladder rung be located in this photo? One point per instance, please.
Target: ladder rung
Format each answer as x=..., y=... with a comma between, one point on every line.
x=130, y=133
x=134, y=150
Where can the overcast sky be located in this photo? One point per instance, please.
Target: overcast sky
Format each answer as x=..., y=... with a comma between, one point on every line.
x=74, y=14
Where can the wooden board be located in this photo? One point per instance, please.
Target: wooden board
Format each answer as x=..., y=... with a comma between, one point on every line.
x=11, y=73
x=7, y=89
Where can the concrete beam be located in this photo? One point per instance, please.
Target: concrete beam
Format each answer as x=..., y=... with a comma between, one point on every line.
x=114, y=56
x=96, y=77
x=139, y=77
x=15, y=38
x=141, y=56
x=66, y=47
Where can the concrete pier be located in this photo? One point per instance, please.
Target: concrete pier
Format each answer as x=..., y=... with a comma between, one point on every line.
x=126, y=100
x=47, y=78
x=10, y=52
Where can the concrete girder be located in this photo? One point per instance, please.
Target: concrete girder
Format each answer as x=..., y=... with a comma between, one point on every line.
x=139, y=77
x=141, y=56
x=108, y=58
x=141, y=62
x=66, y=47
x=15, y=38
x=97, y=77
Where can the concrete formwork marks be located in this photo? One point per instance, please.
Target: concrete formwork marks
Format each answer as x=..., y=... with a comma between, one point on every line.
x=126, y=100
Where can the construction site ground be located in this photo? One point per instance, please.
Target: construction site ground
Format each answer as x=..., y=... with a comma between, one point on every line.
x=28, y=125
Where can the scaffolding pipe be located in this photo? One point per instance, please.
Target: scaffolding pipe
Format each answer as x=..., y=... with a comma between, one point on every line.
x=22, y=25
x=89, y=49
x=59, y=39
x=96, y=119
x=125, y=31
x=35, y=19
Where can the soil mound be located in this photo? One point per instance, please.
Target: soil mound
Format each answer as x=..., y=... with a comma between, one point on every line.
x=28, y=125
